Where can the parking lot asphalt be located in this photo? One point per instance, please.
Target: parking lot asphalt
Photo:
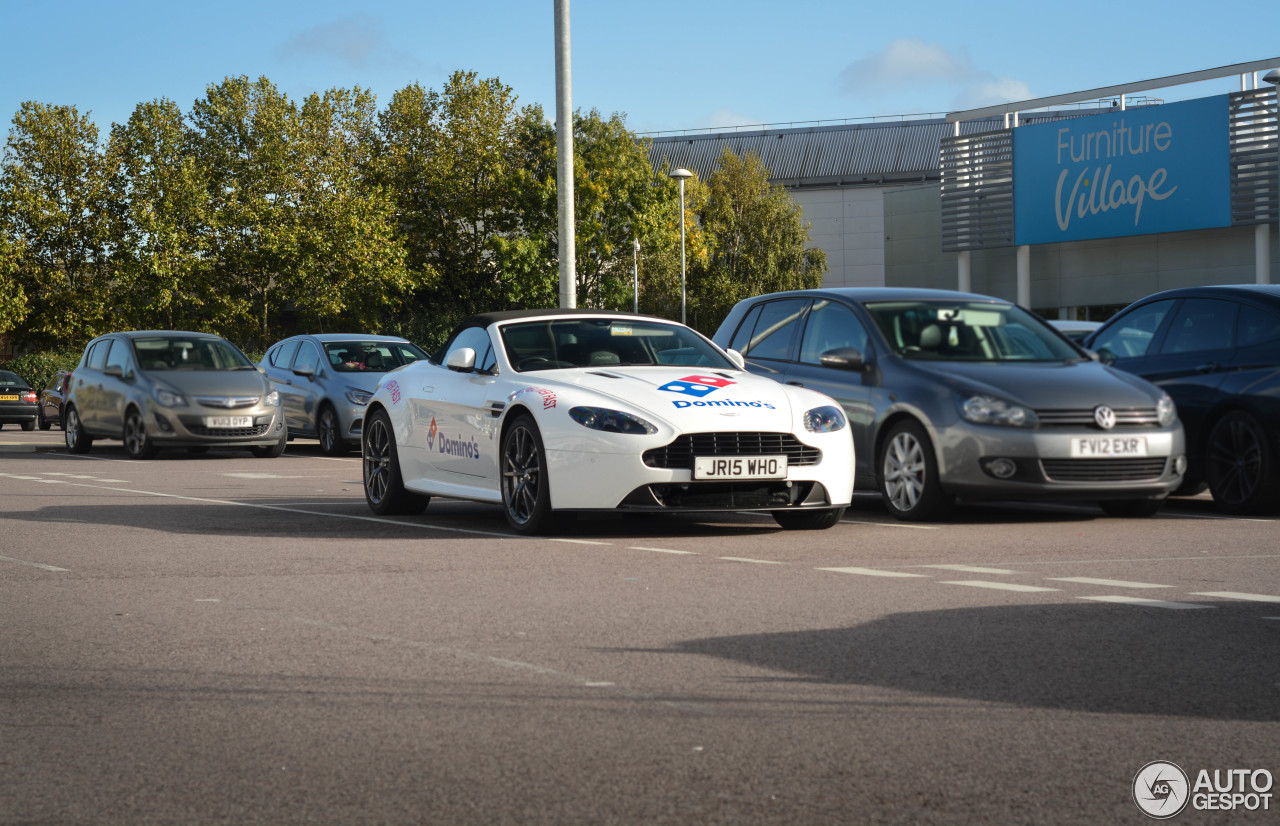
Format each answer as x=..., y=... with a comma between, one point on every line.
x=225, y=639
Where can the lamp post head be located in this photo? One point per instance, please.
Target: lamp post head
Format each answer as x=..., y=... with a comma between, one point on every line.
x=1272, y=76
x=637, y=243
x=680, y=174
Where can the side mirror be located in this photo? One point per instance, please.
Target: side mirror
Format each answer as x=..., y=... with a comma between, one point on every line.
x=737, y=358
x=844, y=358
x=463, y=360
x=304, y=371
x=1105, y=356
x=114, y=370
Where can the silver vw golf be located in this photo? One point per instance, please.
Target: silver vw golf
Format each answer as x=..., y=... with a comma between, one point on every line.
x=956, y=395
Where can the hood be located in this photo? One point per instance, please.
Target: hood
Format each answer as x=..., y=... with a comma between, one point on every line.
x=1045, y=385
x=212, y=382
x=686, y=397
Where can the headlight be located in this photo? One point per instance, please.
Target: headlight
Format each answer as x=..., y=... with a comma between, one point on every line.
x=1166, y=411
x=981, y=409
x=170, y=399
x=358, y=396
x=825, y=419
x=610, y=421
x=272, y=398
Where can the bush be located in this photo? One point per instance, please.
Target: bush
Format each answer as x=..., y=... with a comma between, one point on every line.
x=38, y=368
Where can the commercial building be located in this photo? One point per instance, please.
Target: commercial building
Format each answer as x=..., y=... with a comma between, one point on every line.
x=1074, y=205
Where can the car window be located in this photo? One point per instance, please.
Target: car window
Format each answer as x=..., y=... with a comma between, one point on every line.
x=831, y=326
x=1256, y=326
x=605, y=342
x=97, y=355
x=282, y=356
x=743, y=334
x=8, y=379
x=967, y=331
x=477, y=338
x=775, y=329
x=182, y=352
x=119, y=355
x=1201, y=324
x=370, y=356
x=308, y=358
x=1131, y=334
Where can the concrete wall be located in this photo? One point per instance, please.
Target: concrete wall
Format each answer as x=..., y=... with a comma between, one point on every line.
x=848, y=224
x=1075, y=274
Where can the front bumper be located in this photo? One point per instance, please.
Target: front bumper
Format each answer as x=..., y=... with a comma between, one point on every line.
x=1044, y=467
x=187, y=426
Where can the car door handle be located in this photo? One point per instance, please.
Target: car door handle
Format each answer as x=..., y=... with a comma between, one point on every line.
x=1208, y=367
x=796, y=383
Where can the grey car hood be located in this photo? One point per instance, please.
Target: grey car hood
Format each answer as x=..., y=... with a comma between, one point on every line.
x=1046, y=385
x=213, y=382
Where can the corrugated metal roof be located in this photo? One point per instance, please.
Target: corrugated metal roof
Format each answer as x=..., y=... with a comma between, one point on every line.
x=849, y=154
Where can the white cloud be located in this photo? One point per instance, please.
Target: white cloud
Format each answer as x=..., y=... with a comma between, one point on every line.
x=358, y=41
x=725, y=119
x=920, y=75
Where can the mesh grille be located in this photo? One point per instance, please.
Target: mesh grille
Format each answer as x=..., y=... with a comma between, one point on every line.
x=1102, y=470
x=226, y=432
x=680, y=453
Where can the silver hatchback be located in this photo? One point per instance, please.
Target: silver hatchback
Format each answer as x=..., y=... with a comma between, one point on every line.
x=326, y=380
x=166, y=388
x=957, y=395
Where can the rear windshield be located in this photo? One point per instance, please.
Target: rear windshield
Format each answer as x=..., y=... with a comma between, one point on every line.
x=188, y=353
x=8, y=379
x=371, y=356
x=967, y=331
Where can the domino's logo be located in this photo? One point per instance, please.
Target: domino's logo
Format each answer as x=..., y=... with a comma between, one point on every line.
x=697, y=386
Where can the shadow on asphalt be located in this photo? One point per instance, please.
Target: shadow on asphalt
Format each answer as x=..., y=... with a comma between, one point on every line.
x=1216, y=663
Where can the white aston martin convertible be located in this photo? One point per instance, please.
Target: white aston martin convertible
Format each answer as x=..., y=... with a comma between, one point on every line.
x=552, y=412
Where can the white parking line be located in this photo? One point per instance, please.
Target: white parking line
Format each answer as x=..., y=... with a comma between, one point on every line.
x=972, y=569
x=1148, y=603
x=744, y=559
x=1114, y=583
x=871, y=572
x=1236, y=595
x=662, y=550
x=890, y=524
x=1000, y=586
x=579, y=541
x=32, y=564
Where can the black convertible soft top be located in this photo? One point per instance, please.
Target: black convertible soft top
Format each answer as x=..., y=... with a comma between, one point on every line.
x=485, y=319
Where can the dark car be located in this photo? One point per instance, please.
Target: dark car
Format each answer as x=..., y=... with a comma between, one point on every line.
x=1216, y=351
x=957, y=395
x=17, y=401
x=52, y=399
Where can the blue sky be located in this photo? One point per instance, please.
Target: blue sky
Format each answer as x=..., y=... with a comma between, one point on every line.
x=668, y=65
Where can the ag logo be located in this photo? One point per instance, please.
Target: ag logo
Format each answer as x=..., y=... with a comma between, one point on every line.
x=696, y=385
x=1161, y=789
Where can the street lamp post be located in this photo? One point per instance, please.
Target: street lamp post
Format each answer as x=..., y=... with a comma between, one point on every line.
x=1272, y=77
x=681, y=175
x=635, y=277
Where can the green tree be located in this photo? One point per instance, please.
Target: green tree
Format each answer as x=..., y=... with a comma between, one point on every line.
x=248, y=140
x=755, y=242
x=53, y=203
x=160, y=204
x=13, y=298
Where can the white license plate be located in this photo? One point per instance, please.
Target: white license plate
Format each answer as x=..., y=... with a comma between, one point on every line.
x=1105, y=447
x=228, y=421
x=740, y=467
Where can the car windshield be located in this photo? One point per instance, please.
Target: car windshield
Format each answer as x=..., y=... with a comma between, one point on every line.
x=188, y=353
x=606, y=342
x=967, y=331
x=371, y=356
x=8, y=379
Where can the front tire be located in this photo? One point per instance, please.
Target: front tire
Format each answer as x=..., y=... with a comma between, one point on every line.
x=526, y=490
x=78, y=441
x=136, y=442
x=909, y=482
x=1240, y=466
x=28, y=426
x=271, y=451
x=41, y=421
x=815, y=520
x=329, y=429
x=384, y=489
